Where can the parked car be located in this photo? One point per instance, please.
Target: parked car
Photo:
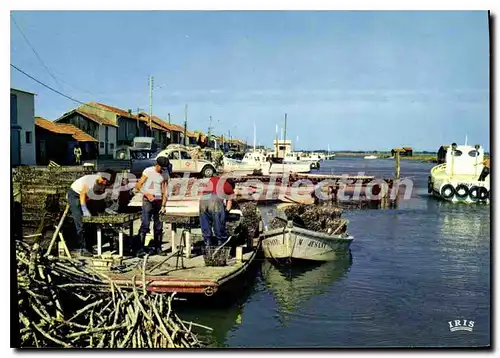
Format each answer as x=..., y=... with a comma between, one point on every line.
x=141, y=144
x=180, y=162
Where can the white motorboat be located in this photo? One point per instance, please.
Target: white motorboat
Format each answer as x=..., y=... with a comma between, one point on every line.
x=297, y=158
x=257, y=161
x=457, y=179
x=295, y=243
x=371, y=157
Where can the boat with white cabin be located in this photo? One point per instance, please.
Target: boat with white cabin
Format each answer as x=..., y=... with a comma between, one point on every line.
x=457, y=179
x=293, y=157
x=370, y=157
x=256, y=160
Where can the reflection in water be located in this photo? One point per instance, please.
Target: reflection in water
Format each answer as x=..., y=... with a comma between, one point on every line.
x=294, y=285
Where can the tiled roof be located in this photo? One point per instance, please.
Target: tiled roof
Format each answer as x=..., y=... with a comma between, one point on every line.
x=118, y=111
x=64, y=128
x=175, y=127
x=170, y=127
x=157, y=123
x=96, y=118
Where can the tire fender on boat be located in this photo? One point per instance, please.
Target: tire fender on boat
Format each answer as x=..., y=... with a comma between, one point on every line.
x=483, y=193
x=429, y=185
x=462, y=191
x=479, y=193
x=474, y=193
x=447, y=191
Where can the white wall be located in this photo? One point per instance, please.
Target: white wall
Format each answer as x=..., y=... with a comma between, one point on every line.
x=112, y=132
x=26, y=119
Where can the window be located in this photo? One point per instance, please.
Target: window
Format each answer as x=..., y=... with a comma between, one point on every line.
x=185, y=155
x=101, y=144
x=174, y=155
x=457, y=153
x=111, y=145
x=28, y=137
x=473, y=153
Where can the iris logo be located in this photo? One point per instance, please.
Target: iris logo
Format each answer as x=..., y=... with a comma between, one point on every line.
x=461, y=325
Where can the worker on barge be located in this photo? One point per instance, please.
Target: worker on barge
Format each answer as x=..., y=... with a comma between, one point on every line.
x=486, y=169
x=213, y=210
x=86, y=196
x=153, y=185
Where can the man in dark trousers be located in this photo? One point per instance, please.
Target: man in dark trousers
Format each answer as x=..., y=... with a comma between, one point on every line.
x=86, y=195
x=153, y=185
x=213, y=210
x=486, y=169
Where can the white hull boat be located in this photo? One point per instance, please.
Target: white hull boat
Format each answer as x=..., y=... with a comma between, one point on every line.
x=257, y=161
x=371, y=157
x=457, y=180
x=295, y=243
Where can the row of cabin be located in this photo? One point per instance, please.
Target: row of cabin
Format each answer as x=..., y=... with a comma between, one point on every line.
x=97, y=129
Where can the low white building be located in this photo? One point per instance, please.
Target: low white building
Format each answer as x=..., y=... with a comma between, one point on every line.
x=22, y=128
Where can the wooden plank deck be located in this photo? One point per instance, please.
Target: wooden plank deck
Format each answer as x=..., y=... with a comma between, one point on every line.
x=194, y=278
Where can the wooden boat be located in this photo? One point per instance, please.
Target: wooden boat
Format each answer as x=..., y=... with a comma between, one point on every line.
x=296, y=243
x=456, y=179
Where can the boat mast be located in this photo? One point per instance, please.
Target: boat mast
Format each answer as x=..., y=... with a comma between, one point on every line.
x=276, y=144
x=284, y=146
x=254, y=135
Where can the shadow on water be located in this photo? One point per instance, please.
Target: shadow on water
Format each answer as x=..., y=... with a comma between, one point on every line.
x=222, y=315
x=293, y=285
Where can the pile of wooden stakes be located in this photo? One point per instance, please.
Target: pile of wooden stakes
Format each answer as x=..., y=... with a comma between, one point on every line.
x=64, y=304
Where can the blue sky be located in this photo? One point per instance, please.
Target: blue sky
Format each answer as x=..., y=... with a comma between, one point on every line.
x=351, y=79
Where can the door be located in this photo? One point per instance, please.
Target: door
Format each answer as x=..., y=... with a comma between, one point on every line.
x=106, y=140
x=188, y=164
x=175, y=160
x=43, y=152
x=15, y=151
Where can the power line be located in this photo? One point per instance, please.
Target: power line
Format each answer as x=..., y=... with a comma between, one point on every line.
x=58, y=92
x=47, y=86
x=36, y=53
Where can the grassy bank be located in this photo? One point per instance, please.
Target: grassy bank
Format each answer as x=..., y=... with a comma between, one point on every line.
x=418, y=157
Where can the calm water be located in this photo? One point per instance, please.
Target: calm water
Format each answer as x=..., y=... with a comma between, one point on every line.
x=412, y=270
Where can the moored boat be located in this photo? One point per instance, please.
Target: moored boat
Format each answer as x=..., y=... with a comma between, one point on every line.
x=296, y=243
x=370, y=157
x=257, y=161
x=458, y=178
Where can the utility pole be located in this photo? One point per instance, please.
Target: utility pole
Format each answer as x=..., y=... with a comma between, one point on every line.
x=151, y=81
x=185, y=123
x=169, y=118
x=284, y=138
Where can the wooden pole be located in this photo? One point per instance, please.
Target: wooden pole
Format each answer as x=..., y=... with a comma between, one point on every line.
x=398, y=164
x=58, y=228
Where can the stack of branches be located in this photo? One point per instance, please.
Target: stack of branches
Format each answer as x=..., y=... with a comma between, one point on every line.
x=61, y=304
x=326, y=219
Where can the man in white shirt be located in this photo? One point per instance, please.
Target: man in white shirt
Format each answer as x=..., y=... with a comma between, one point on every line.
x=153, y=185
x=88, y=189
